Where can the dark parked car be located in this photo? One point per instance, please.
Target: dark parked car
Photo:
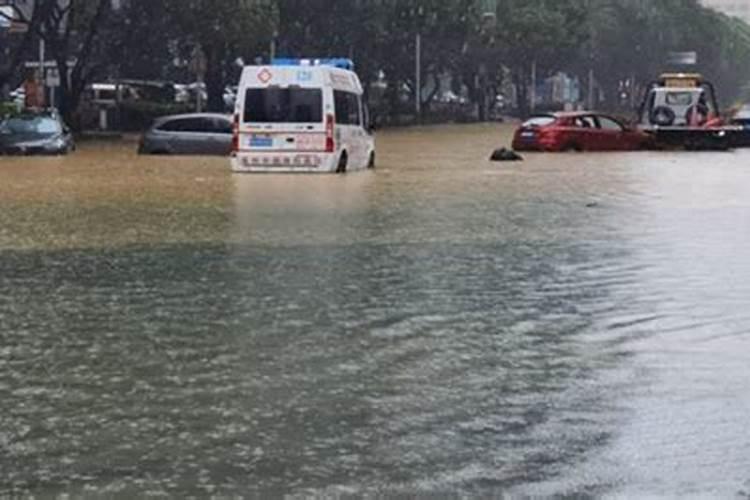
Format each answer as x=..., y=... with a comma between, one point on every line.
x=191, y=134
x=578, y=131
x=741, y=120
x=35, y=134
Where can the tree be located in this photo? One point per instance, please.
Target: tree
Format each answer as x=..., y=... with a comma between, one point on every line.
x=222, y=30
x=141, y=41
x=548, y=33
x=32, y=19
x=71, y=30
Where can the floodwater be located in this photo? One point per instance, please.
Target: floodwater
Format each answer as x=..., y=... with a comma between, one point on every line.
x=575, y=324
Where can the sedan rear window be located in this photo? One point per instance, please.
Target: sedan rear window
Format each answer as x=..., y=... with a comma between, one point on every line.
x=206, y=125
x=539, y=121
x=283, y=105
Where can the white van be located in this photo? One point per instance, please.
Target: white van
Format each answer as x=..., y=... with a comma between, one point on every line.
x=301, y=115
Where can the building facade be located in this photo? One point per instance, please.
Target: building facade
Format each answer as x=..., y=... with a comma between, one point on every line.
x=737, y=8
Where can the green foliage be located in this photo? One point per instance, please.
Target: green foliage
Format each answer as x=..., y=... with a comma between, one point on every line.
x=621, y=40
x=632, y=38
x=8, y=109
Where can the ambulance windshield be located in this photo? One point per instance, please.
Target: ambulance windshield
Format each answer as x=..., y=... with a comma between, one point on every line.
x=283, y=105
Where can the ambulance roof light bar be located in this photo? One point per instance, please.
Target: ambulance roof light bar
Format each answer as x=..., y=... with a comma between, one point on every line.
x=336, y=62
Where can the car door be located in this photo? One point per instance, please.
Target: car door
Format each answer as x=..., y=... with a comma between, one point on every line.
x=612, y=134
x=585, y=133
x=220, y=138
x=360, y=133
x=349, y=130
x=184, y=135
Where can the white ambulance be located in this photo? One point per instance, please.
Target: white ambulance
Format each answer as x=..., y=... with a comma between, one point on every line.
x=301, y=115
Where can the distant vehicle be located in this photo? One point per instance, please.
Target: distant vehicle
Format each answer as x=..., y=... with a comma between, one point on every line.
x=230, y=97
x=41, y=133
x=189, y=134
x=110, y=93
x=577, y=131
x=450, y=97
x=301, y=115
x=742, y=117
x=181, y=93
x=741, y=120
x=106, y=94
x=18, y=96
x=681, y=110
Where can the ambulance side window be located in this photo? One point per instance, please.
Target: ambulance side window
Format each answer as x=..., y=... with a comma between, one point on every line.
x=348, y=111
x=355, y=110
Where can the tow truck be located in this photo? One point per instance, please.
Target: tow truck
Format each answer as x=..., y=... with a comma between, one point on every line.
x=680, y=111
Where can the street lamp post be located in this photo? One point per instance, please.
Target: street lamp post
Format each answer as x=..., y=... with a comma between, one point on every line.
x=273, y=45
x=532, y=106
x=418, y=64
x=418, y=78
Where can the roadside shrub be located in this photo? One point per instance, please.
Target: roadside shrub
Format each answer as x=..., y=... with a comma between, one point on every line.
x=8, y=109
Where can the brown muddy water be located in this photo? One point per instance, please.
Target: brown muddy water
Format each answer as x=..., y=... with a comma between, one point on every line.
x=574, y=324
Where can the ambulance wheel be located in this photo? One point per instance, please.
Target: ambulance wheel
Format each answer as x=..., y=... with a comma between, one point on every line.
x=343, y=161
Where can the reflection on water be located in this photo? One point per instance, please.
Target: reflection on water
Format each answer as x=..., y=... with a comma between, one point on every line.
x=573, y=324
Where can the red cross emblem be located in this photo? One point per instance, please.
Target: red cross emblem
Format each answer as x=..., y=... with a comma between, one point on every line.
x=265, y=76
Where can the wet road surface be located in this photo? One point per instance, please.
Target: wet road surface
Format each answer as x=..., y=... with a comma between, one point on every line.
x=574, y=324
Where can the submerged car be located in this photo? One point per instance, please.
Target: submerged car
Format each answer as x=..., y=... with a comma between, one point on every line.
x=742, y=117
x=741, y=122
x=578, y=131
x=190, y=134
x=35, y=134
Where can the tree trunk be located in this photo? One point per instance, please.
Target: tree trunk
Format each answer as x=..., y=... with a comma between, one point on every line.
x=215, y=79
x=522, y=92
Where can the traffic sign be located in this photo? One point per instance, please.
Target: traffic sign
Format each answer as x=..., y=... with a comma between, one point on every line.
x=52, y=77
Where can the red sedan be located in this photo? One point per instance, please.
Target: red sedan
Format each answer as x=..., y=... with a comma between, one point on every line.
x=578, y=131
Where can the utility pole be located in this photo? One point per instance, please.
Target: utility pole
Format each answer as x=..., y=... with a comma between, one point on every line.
x=418, y=90
x=418, y=22
x=198, y=66
x=42, y=70
x=592, y=33
x=272, y=49
x=532, y=106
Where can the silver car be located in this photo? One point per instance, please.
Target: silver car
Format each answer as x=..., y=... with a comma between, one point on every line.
x=190, y=134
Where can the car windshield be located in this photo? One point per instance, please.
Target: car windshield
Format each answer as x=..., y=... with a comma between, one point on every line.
x=539, y=121
x=284, y=105
x=36, y=125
